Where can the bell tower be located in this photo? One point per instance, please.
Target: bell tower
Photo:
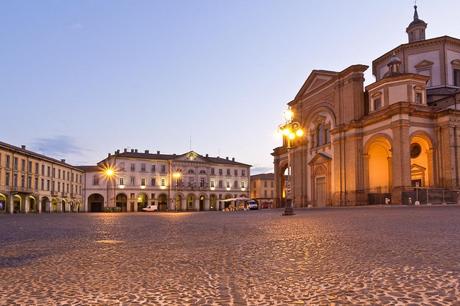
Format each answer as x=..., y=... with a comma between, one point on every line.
x=416, y=29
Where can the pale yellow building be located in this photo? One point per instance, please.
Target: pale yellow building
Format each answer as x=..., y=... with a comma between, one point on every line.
x=263, y=188
x=393, y=141
x=32, y=182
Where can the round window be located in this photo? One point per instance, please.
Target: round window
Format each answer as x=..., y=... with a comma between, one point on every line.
x=415, y=150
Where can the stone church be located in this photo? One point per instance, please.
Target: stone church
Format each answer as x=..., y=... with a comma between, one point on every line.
x=393, y=141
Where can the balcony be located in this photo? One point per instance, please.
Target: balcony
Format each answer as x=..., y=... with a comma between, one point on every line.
x=19, y=189
x=54, y=193
x=64, y=194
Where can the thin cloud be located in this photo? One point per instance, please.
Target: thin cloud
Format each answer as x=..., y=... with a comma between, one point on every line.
x=59, y=145
x=259, y=170
x=76, y=26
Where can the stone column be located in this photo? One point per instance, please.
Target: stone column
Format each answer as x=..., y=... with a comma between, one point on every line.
x=206, y=204
x=10, y=205
x=39, y=204
x=26, y=204
x=400, y=174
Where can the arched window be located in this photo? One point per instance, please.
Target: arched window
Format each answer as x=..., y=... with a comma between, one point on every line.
x=322, y=135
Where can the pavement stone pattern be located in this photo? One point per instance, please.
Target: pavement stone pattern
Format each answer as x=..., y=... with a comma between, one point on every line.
x=365, y=256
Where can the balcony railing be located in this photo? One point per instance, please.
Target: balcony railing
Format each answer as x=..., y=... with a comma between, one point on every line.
x=18, y=189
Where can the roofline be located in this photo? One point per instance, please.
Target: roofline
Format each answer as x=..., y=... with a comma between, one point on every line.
x=412, y=44
x=399, y=77
x=172, y=157
x=36, y=155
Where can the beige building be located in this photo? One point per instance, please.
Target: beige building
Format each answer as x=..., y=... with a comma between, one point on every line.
x=31, y=182
x=185, y=182
x=263, y=188
x=395, y=140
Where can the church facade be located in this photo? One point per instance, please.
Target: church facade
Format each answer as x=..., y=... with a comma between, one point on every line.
x=394, y=141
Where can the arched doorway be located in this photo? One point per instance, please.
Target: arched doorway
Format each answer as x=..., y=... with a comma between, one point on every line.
x=54, y=205
x=142, y=201
x=3, y=202
x=213, y=202
x=229, y=204
x=163, y=202
x=178, y=202
x=378, y=173
x=421, y=161
x=32, y=204
x=191, y=202
x=45, y=204
x=379, y=165
x=122, y=202
x=95, y=203
x=17, y=203
x=63, y=206
x=202, y=202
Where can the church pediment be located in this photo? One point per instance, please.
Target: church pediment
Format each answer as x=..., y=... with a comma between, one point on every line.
x=320, y=158
x=315, y=80
x=424, y=64
x=190, y=156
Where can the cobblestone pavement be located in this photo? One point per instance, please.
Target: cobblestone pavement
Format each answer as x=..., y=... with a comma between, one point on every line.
x=342, y=256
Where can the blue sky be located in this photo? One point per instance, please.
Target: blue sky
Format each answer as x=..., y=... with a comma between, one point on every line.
x=79, y=79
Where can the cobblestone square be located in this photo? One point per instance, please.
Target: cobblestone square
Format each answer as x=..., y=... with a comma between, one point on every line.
x=346, y=256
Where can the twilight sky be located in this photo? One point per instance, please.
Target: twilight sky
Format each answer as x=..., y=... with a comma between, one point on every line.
x=79, y=79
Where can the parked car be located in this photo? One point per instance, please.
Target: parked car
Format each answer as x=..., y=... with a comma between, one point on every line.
x=252, y=205
x=151, y=208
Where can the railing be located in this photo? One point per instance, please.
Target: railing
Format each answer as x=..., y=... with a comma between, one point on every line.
x=64, y=194
x=18, y=189
x=428, y=196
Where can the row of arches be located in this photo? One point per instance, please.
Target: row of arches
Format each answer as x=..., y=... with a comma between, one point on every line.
x=18, y=203
x=179, y=202
x=382, y=170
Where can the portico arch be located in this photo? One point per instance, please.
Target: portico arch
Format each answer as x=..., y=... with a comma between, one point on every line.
x=121, y=201
x=45, y=204
x=142, y=201
x=3, y=203
x=163, y=202
x=95, y=203
x=421, y=153
x=213, y=202
x=202, y=202
x=17, y=203
x=32, y=204
x=377, y=163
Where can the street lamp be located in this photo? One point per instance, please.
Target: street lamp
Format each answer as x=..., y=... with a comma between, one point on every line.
x=291, y=130
x=109, y=173
x=177, y=176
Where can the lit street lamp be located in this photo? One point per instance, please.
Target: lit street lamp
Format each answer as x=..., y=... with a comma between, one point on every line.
x=177, y=176
x=109, y=174
x=290, y=130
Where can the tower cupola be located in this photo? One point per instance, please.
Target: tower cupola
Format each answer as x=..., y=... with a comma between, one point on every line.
x=416, y=29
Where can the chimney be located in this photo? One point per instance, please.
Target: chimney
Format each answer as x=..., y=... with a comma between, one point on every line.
x=23, y=147
x=109, y=155
x=63, y=161
x=158, y=152
x=117, y=152
x=226, y=158
x=132, y=150
x=135, y=150
x=207, y=155
x=233, y=158
x=125, y=150
x=146, y=151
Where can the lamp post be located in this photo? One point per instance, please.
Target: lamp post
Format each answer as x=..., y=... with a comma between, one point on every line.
x=176, y=175
x=291, y=130
x=109, y=173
